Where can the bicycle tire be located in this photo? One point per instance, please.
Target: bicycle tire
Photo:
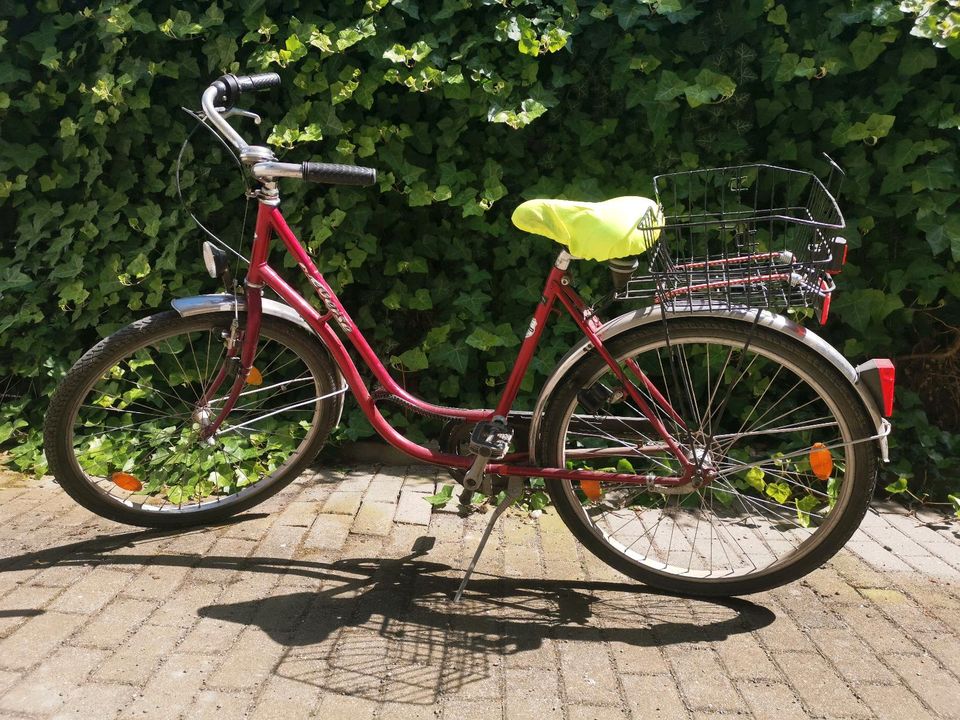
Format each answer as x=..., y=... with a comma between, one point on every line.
x=110, y=421
x=749, y=518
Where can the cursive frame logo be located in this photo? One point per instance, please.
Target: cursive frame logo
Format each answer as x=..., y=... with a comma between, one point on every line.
x=331, y=306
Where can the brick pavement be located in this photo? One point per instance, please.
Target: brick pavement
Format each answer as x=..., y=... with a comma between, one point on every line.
x=317, y=604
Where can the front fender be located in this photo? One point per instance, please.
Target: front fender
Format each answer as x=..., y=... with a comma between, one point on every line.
x=203, y=304
x=636, y=318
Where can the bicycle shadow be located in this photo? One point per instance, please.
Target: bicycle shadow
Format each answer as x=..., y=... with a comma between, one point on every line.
x=385, y=629
x=389, y=631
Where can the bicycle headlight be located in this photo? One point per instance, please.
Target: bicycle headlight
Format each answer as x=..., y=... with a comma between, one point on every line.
x=214, y=259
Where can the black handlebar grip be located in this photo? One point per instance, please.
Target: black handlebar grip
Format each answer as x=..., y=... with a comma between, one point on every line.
x=255, y=83
x=338, y=174
x=229, y=87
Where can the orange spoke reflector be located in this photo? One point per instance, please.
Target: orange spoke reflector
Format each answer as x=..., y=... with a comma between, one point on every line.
x=821, y=461
x=254, y=377
x=591, y=488
x=126, y=481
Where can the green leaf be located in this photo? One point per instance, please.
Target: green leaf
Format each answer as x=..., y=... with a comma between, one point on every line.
x=538, y=500
x=754, y=477
x=709, y=87
x=483, y=339
x=624, y=466
x=442, y=497
x=413, y=360
x=777, y=16
x=897, y=486
x=804, y=506
x=955, y=501
x=865, y=48
x=874, y=127
x=779, y=491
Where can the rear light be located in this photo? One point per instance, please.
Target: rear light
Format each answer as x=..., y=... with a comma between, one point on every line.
x=838, y=255
x=879, y=377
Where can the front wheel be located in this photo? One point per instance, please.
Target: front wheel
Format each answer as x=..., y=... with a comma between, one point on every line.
x=780, y=432
x=122, y=434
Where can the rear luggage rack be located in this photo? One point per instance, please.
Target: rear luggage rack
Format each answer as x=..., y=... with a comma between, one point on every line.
x=757, y=236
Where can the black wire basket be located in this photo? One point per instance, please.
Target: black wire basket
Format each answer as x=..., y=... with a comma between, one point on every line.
x=757, y=236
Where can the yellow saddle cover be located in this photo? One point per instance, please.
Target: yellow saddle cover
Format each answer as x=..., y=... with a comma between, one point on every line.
x=614, y=228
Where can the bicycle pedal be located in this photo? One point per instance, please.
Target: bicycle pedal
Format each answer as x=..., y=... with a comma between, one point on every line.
x=491, y=439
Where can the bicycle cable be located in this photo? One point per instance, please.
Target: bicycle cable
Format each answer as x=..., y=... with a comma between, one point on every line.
x=201, y=121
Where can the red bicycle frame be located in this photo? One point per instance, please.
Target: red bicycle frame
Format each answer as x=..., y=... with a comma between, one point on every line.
x=557, y=287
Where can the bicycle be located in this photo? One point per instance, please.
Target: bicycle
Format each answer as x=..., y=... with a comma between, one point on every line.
x=702, y=444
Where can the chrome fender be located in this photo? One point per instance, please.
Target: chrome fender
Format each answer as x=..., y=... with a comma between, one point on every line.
x=781, y=324
x=203, y=304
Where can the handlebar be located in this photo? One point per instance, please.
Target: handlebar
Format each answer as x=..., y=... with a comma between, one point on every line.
x=219, y=98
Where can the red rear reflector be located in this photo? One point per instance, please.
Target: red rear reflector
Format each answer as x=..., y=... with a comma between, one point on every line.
x=126, y=481
x=888, y=375
x=879, y=376
x=824, y=304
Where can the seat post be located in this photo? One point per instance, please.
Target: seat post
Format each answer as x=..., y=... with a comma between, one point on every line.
x=563, y=260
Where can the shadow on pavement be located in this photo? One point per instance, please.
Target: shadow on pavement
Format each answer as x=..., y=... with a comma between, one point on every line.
x=386, y=629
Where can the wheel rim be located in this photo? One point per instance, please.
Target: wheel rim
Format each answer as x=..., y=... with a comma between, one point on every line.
x=139, y=419
x=736, y=525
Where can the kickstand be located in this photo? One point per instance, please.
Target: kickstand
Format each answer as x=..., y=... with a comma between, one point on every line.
x=514, y=491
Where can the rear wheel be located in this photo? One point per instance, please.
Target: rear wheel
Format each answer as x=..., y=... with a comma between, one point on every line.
x=122, y=434
x=781, y=430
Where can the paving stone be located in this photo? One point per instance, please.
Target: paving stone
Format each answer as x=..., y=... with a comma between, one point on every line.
x=180, y=609
x=929, y=682
x=471, y=710
x=22, y=603
x=595, y=712
x=218, y=705
x=531, y=694
x=745, y=658
x=53, y=683
x=893, y=702
x=135, y=660
x=819, y=686
x=703, y=681
x=286, y=699
x=91, y=593
x=384, y=488
x=771, y=701
x=852, y=657
x=422, y=481
x=587, y=671
x=653, y=697
x=171, y=689
x=374, y=518
x=341, y=502
x=250, y=662
x=156, y=581
x=413, y=509
x=357, y=480
x=327, y=534
x=36, y=638
x=111, y=626
x=96, y=701
x=333, y=706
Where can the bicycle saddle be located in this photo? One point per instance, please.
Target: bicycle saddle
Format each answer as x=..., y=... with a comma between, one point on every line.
x=613, y=228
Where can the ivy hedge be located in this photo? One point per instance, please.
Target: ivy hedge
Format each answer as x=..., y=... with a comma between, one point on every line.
x=468, y=108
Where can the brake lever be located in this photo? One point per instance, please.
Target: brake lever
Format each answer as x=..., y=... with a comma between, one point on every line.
x=243, y=113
